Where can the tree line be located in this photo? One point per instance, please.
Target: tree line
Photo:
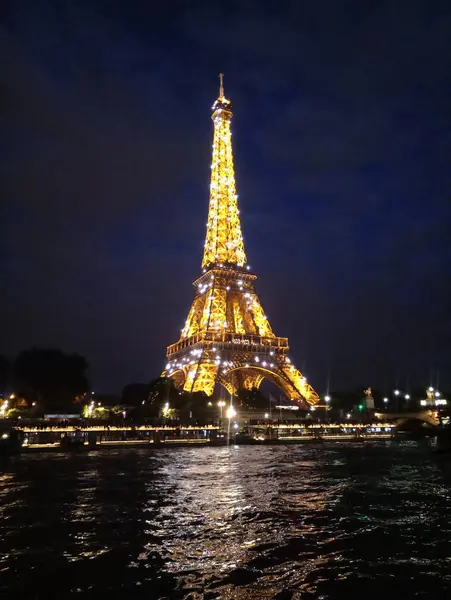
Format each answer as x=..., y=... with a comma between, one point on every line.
x=52, y=381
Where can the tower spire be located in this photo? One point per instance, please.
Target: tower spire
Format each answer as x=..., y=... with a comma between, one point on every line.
x=224, y=241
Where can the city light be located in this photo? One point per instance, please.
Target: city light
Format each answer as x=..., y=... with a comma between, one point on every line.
x=231, y=412
x=407, y=397
x=385, y=400
x=221, y=405
x=327, y=398
x=396, y=392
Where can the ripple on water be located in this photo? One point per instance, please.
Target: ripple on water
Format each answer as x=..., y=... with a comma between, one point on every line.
x=330, y=521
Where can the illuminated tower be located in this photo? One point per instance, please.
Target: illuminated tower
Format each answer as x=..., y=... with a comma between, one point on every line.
x=227, y=338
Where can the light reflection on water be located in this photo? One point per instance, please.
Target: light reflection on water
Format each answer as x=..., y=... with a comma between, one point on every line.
x=333, y=520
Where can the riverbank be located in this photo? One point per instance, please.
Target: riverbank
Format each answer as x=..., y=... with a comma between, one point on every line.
x=190, y=443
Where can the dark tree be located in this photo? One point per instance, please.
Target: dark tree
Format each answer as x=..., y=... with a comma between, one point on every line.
x=252, y=399
x=51, y=376
x=148, y=399
x=134, y=394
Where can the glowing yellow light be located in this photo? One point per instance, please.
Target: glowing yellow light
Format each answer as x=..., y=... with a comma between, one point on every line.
x=226, y=315
x=230, y=412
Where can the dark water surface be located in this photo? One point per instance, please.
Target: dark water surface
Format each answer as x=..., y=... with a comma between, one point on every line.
x=337, y=520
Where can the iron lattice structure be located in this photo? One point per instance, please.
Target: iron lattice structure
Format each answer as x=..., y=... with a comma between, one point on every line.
x=227, y=338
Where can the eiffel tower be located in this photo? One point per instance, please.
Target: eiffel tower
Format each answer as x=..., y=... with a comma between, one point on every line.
x=227, y=338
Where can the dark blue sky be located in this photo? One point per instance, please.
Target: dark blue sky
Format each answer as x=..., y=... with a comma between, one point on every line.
x=342, y=134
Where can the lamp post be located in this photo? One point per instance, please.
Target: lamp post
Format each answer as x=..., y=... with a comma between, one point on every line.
x=230, y=413
x=327, y=400
x=221, y=405
x=3, y=408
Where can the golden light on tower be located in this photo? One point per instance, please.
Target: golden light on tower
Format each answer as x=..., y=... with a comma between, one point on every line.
x=227, y=338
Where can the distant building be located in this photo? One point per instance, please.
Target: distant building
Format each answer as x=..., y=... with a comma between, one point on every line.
x=433, y=399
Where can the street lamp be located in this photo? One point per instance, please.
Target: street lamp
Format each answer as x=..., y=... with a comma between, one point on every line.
x=407, y=396
x=385, y=400
x=327, y=398
x=221, y=405
x=266, y=415
x=396, y=392
x=230, y=413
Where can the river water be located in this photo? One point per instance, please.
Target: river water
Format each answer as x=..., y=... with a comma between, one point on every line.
x=333, y=520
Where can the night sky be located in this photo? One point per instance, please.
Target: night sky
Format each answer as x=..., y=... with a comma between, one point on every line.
x=342, y=142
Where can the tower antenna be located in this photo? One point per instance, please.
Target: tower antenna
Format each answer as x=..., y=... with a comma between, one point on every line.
x=221, y=85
